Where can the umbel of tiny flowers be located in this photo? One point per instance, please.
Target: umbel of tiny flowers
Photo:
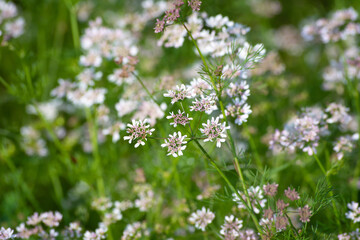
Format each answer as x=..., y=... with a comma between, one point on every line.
x=305, y=214
x=270, y=189
x=6, y=233
x=255, y=196
x=180, y=93
x=354, y=213
x=291, y=194
x=138, y=130
x=175, y=144
x=214, y=130
x=231, y=227
x=179, y=118
x=202, y=218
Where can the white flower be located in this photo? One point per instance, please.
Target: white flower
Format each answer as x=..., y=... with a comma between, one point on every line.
x=175, y=144
x=92, y=59
x=231, y=227
x=51, y=219
x=202, y=218
x=114, y=130
x=87, y=76
x=65, y=86
x=180, y=93
x=135, y=230
x=6, y=233
x=354, y=213
x=256, y=198
x=138, y=130
x=213, y=130
x=173, y=36
x=124, y=107
x=179, y=118
x=219, y=21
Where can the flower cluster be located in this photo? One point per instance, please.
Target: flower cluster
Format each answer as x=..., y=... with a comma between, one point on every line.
x=6, y=233
x=354, y=235
x=179, y=118
x=174, y=13
x=146, y=197
x=136, y=230
x=11, y=25
x=276, y=219
x=32, y=142
x=339, y=26
x=175, y=144
x=138, y=130
x=304, y=132
x=354, y=213
x=231, y=227
x=256, y=198
x=214, y=130
x=99, y=43
x=344, y=66
x=179, y=94
x=202, y=218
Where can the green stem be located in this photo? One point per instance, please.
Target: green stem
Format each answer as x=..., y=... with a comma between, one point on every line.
x=23, y=185
x=231, y=187
x=233, y=149
x=331, y=192
x=253, y=148
x=145, y=88
x=66, y=157
x=74, y=24
x=95, y=150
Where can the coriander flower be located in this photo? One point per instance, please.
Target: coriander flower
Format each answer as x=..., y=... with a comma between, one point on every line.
x=195, y=4
x=205, y=104
x=159, y=26
x=239, y=90
x=114, y=131
x=214, y=130
x=138, y=130
x=201, y=218
x=256, y=198
x=270, y=189
x=175, y=144
x=179, y=118
x=51, y=219
x=239, y=110
x=6, y=233
x=354, y=213
x=230, y=229
x=179, y=94
x=136, y=230
x=305, y=214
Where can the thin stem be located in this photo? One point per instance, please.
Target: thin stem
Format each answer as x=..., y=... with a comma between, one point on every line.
x=23, y=185
x=253, y=147
x=58, y=144
x=231, y=186
x=331, y=192
x=145, y=88
x=74, y=24
x=292, y=225
x=229, y=135
x=95, y=150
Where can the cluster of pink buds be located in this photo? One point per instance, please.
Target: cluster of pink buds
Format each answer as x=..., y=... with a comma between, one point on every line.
x=138, y=130
x=173, y=14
